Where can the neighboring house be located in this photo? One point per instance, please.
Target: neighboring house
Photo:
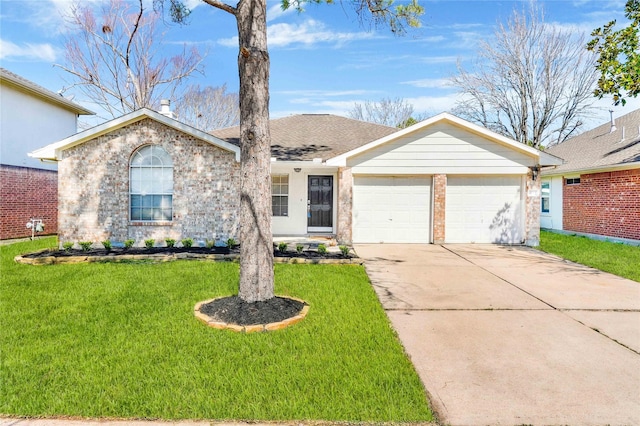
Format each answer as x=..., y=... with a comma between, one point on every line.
x=30, y=116
x=597, y=189
x=146, y=175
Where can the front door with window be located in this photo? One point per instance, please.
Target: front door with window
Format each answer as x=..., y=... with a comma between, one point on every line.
x=320, y=204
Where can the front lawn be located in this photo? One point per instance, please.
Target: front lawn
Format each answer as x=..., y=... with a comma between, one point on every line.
x=120, y=340
x=618, y=259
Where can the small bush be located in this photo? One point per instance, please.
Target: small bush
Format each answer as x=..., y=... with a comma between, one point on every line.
x=299, y=248
x=344, y=250
x=282, y=247
x=67, y=246
x=210, y=244
x=149, y=243
x=322, y=249
x=170, y=242
x=231, y=243
x=129, y=243
x=187, y=242
x=107, y=245
x=86, y=245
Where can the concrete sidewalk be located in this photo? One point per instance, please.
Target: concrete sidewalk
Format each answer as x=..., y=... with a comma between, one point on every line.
x=510, y=335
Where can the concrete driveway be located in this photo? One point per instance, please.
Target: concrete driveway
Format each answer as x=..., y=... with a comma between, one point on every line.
x=510, y=335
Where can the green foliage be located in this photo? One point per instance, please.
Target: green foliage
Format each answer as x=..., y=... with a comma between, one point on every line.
x=187, y=242
x=397, y=15
x=170, y=242
x=299, y=248
x=129, y=243
x=210, y=244
x=618, y=56
x=106, y=244
x=618, y=259
x=125, y=344
x=282, y=247
x=86, y=245
x=345, y=250
x=149, y=243
x=322, y=249
x=67, y=246
x=231, y=243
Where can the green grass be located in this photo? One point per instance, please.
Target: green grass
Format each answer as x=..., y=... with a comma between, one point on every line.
x=618, y=259
x=121, y=340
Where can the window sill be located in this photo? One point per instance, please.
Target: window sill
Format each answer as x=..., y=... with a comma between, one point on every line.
x=151, y=223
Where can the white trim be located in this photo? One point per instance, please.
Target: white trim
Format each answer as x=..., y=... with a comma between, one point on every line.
x=595, y=169
x=341, y=160
x=53, y=151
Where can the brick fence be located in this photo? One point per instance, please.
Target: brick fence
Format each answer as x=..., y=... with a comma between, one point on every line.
x=27, y=193
x=604, y=204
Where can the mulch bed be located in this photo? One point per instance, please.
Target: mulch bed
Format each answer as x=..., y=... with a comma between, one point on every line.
x=307, y=254
x=129, y=251
x=234, y=310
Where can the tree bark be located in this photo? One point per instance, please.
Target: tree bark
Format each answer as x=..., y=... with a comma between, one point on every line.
x=256, y=242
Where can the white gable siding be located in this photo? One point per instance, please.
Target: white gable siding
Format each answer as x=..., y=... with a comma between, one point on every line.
x=28, y=123
x=441, y=148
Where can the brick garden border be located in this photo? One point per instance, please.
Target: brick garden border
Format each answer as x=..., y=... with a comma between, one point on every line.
x=53, y=260
x=255, y=328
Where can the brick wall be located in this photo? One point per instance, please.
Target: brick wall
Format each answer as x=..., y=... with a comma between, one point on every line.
x=27, y=193
x=345, y=205
x=439, y=208
x=532, y=202
x=94, y=188
x=604, y=204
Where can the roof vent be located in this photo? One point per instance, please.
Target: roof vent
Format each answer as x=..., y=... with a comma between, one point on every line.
x=613, y=123
x=165, y=108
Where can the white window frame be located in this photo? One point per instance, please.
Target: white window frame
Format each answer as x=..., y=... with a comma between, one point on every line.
x=546, y=196
x=161, y=166
x=280, y=191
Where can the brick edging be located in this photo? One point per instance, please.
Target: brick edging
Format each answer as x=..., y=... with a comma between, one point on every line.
x=207, y=320
x=53, y=260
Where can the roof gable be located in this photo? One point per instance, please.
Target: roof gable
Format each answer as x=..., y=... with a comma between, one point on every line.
x=445, y=118
x=33, y=89
x=52, y=151
x=601, y=148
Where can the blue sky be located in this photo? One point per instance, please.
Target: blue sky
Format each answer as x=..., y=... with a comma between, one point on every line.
x=322, y=60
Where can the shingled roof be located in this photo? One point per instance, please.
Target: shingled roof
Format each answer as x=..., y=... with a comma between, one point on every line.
x=601, y=148
x=304, y=137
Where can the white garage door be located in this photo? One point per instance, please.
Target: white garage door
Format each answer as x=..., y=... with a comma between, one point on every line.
x=485, y=209
x=391, y=209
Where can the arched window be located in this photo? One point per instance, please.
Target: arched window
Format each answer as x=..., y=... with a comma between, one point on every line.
x=151, y=184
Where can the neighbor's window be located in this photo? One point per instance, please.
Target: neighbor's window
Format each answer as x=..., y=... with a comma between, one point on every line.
x=280, y=195
x=572, y=181
x=546, y=197
x=151, y=184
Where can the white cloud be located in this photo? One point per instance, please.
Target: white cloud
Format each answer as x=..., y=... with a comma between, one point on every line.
x=434, y=104
x=275, y=11
x=430, y=83
x=308, y=33
x=27, y=51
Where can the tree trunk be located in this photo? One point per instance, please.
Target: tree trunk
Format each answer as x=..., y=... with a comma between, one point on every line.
x=256, y=242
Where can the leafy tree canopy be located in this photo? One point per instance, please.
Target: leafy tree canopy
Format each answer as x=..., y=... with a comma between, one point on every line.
x=618, y=56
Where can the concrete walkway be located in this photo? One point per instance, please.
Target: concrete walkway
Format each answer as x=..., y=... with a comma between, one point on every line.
x=510, y=335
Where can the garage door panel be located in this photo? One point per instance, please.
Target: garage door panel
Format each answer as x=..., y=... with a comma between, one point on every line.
x=391, y=209
x=484, y=209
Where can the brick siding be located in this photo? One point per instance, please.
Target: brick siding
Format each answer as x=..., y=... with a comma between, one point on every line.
x=345, y=205
x=532, y=210
x=27, y=193
x=439, y=208
x=604, y=204
x=94, y=188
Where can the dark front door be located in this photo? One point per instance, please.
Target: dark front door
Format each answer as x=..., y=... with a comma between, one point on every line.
x=320, y=204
